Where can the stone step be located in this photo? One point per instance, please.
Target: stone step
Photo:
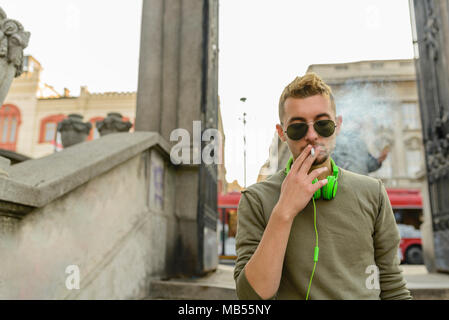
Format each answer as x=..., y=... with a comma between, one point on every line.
x=179, y=290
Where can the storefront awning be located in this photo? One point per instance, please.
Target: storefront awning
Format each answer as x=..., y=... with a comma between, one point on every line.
x=229, y=200
x=399, y=198
x=405, y=198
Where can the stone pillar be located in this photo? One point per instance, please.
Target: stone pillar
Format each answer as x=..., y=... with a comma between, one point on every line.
x=73, y=130
x=178, y=80
x=113, y=123
x=430, y=19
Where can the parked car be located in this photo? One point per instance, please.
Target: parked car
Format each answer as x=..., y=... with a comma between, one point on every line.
x=410, y=247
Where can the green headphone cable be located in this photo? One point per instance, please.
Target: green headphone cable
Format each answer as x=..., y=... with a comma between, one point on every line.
x=315, y=254
x=327, y=194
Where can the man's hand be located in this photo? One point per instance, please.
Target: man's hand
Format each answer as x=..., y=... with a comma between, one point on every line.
x=297, y=188
x=383, y=155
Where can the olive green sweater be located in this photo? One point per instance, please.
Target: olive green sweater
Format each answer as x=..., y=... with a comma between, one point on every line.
x=356, y=231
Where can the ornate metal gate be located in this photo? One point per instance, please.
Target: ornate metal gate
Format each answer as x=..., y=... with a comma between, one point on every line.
x=432, y=69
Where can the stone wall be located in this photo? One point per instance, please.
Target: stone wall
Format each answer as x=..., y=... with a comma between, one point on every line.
x=116, y=224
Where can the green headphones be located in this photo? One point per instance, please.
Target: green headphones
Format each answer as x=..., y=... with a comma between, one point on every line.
x=329, y=191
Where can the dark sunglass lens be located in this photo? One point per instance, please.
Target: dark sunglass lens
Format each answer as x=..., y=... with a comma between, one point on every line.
x=324, y=128
x=297, y=130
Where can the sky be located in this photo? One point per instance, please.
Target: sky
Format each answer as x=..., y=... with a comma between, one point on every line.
x=263, y=45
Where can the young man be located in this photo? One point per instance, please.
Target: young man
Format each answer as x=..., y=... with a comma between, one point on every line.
x=282, y=229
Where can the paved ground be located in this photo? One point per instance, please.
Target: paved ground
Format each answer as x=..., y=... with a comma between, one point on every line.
x=415, y=275
x=220, y=285
x=418, y=277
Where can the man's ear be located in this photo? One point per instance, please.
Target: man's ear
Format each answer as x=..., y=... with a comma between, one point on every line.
x=339, y=122
x=281, y=133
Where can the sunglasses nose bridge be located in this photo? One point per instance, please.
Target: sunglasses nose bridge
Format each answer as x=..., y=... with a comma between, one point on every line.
x=311, y=133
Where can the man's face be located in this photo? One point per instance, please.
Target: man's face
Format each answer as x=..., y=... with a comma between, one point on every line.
x=309, y=110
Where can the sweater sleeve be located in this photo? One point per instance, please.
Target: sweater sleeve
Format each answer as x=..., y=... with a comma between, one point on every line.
x=250, y=228
x=386, y=244
x=372, y=163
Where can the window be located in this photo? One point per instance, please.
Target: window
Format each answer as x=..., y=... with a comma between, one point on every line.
x=413, y=162
x=12, y=131
x=58, y=142
x=50, y=131
x=4, y=131
x=9, y=126
x=410, y=116
x=48, y=128
x=25, y=64
x=94, y=134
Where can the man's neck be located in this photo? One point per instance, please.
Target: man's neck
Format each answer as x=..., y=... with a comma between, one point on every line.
x=326, y=164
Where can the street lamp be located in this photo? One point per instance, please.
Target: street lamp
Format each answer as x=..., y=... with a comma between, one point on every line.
x=243, y=99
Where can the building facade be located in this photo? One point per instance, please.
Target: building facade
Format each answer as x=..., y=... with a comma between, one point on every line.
x=32, y=109
x=381, y=98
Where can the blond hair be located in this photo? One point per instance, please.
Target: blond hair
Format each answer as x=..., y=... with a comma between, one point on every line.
x=306, y=86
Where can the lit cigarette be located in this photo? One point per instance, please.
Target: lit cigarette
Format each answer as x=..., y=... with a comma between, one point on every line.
x=312, y=152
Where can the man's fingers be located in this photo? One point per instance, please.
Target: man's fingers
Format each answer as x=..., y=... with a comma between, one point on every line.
x=315, y=173
x=298, y=162
x=319, y=185
x=307, y=163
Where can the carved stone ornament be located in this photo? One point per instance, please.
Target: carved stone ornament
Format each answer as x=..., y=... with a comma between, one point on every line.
x=438, y=150
x=113, y=123
x=436, y=137
x=431, y=30
x=13, y=39
x=73, y=130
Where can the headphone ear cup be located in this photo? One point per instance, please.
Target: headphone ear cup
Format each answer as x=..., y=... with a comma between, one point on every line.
x=329, y=190
x=334, y=189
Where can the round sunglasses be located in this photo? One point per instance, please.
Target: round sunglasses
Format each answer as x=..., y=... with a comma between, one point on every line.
x=324, y=128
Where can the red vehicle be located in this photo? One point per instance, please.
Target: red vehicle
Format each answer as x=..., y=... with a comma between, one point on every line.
x=407, y=208
x=411, y=251
x=227, y=228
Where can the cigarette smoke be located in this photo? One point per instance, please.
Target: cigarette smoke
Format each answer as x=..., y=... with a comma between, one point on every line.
x=368, y=111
